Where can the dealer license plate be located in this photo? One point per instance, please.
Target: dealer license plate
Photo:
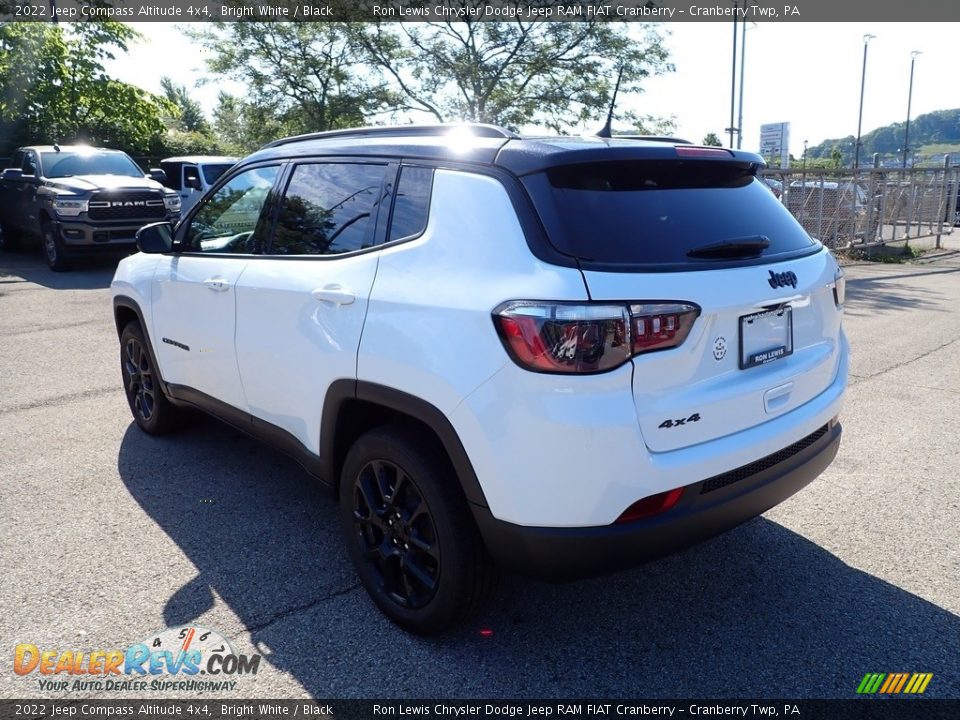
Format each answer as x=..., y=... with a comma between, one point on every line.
x=766, y=336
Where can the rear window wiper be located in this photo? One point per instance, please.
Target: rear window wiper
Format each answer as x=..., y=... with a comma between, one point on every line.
x=745, y=247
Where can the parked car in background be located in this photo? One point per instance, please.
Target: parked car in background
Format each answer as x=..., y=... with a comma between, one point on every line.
x=776, y=187
x=77, y=199
x=191, y=176
x=836, y=213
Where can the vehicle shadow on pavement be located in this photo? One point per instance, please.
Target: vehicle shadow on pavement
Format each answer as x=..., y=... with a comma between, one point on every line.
x=758, y=612
x=888, y=293
x=88, y=273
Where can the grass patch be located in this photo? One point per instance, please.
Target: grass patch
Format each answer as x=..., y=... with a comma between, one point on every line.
x=885, y=254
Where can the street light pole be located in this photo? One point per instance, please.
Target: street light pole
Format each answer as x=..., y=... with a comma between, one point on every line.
x=863, y=80
x=733, y=78
x=743, y=72
x=906, y=133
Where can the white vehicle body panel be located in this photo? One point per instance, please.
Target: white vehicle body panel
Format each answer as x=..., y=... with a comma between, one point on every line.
x=297, y=332
x=429, y=330
x=194, y=304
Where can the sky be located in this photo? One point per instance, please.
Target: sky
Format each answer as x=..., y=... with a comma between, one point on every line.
x=807, y=74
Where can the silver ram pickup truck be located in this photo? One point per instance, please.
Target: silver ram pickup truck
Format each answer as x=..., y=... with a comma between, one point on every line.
x=78, y=199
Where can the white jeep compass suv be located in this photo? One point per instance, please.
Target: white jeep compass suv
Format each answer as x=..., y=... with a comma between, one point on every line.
x=562, y=355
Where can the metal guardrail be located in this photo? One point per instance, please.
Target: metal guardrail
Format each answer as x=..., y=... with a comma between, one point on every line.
x=869, y=206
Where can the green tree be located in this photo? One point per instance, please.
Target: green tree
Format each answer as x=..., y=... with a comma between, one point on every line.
x=190, y=117
x=301, y=77
x=241, y=126
x=712, y=139
x=836, y=156
x=554, y=74
x=55, y=88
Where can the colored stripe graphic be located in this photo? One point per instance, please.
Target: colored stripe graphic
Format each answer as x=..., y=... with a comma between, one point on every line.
x=894, y=683
x=918, y=683
x=870, y=683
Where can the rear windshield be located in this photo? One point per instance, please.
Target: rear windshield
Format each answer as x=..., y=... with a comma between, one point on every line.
x=654, y=212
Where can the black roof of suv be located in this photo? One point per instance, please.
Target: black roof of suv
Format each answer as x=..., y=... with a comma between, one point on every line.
x=492, y=145
x=622, y=204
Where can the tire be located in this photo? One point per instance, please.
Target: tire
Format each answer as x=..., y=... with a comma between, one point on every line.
x=409, y=531
x=143, y=386
x=52, y=247
x=9, y=242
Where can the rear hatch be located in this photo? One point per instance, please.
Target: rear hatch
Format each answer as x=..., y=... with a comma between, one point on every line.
x=663, y=235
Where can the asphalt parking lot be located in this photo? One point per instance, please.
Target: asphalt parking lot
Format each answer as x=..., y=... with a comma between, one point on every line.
x=108, y=535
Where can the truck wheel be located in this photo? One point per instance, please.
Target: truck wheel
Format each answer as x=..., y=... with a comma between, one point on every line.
x=143, y=386
x=410, y=533
x=53, y=247
x=8, y=240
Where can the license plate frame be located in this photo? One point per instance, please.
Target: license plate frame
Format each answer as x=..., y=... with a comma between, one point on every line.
x=765, y=337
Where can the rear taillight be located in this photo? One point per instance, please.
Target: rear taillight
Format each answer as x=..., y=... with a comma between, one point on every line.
x=588, y=338
x=657, y=326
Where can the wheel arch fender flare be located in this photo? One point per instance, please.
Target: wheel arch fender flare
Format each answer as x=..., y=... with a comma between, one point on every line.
x=333, y=446
x=126, y=308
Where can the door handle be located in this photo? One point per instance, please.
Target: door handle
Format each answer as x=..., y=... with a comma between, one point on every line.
x=217, y=284
x=334, y=294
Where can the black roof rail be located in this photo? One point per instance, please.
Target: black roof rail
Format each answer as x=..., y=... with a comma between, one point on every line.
x=478, y=129
x=654, y=138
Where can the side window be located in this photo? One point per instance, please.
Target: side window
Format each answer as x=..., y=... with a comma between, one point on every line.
x=411, y=205
x=328, y=209
x=229, y=221
x=173, y=175
x=29, y=166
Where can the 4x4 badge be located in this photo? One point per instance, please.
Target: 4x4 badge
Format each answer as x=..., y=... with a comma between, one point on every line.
x=782, y=279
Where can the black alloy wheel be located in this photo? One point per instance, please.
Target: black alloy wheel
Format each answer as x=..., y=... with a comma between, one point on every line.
x=138, y=379
x=396, y=533
x=410, y=532
x=143, y=386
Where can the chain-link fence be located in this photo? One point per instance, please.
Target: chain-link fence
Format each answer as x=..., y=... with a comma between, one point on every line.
x=846, y=207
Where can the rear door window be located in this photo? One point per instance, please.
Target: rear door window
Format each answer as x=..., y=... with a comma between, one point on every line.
x=655, y=212
x=329, y=209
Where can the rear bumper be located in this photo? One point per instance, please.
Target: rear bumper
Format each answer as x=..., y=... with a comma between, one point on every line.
x=707, y=508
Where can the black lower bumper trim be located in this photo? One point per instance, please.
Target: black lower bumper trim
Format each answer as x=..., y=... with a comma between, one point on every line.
x=570, y=553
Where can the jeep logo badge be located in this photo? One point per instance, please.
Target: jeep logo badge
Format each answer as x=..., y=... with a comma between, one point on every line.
x=782, y=279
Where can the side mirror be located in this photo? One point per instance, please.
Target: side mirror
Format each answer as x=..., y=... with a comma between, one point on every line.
x=155, y=238
x=12, y=174
x=192, y=182
x=159, y=175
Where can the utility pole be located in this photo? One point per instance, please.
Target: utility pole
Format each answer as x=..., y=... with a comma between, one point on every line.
x=863, y=80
